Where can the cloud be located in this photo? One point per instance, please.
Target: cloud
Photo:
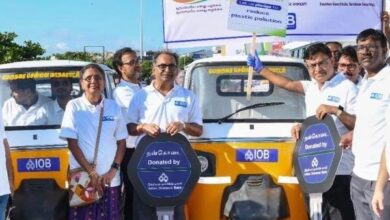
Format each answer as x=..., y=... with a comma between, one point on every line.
x=61, y=46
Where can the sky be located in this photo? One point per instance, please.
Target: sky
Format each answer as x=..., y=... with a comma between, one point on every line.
x=71, y=25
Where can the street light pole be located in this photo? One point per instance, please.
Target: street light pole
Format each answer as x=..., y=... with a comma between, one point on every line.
x=141, y=27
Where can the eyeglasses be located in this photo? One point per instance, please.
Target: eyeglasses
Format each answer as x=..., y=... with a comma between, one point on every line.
x=163, y=67
x=93, y=77
x=131, y=62
x=351, y=66
x=363, y=48
x=322, y=64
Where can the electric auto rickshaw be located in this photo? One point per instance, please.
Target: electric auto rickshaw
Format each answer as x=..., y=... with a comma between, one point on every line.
x=246, y=150
x=39, y=157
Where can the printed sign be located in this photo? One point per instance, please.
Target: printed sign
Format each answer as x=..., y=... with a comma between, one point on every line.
x=259, y=16
x=38, y=164
x=317, y=154
x=164, y=170
x=257, y=155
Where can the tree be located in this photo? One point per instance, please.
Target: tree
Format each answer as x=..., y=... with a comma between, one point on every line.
x=10, y=51
x=146, y=69
x=185, y=60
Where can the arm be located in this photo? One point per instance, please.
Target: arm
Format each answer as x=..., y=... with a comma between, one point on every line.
x=347, y=119
x=190, y=128
x=381, y=182
x=277, y=79
x=120, y=153
x=386, y=25
x=10, y=170
x=143, y=128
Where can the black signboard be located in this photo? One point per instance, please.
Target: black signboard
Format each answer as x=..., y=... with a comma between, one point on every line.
x=164, y=170
x=317, y=154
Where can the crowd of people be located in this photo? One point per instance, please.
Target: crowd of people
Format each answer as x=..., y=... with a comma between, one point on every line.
x=351, y=84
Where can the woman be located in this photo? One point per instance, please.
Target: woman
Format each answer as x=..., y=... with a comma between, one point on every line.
x=80, y=128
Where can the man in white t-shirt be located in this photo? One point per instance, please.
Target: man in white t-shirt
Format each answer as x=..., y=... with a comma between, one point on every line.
x=6, y=173
x=348, y=64
x=328, y=93
x=163, y=106
x=26, y=106
x=369, y=133
x=61, y=89
x=126, y=64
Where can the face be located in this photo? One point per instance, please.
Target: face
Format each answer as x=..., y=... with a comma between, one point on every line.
x=165, y=69
x=320, y=67
x=130, y=67
x=334, y=48
x=21, y=96
x=370, y=54
x=350, y=68
x=61, y=87
x=92, y=82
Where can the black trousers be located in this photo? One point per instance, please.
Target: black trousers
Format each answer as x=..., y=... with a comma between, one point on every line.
x=336, y=202
x=128, y=192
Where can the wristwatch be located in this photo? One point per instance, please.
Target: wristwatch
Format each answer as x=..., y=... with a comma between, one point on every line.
x=339, y=111
x=115, y=166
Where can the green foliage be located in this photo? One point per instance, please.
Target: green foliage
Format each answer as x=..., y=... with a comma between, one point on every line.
x=146, y=68
x=185, y=60
x=10, y=51
x=74, y=55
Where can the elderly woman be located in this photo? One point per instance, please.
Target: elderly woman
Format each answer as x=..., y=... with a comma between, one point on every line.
x=80, y=128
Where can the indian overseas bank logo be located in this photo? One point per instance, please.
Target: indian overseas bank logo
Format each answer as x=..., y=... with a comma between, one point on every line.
x=163, y=178
x=249, y=156
x=189, y=1
x=30, y=165
x=314, y=162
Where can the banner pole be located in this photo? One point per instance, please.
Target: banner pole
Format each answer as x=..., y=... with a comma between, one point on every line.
x=250, y=70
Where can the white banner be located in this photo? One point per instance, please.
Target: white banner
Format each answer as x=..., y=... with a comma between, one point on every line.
x=259, y=16
x=192, y=23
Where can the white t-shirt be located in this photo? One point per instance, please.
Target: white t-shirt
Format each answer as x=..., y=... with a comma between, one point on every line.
x=16, y=115
x=55, y=117
x=338, y=91
x=81, y=120
x=123, y=94
x=369, y=134
x=387, y=133
x=150, y=106
x=4, y=184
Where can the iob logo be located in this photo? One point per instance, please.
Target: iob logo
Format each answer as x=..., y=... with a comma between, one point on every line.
x=291, y=21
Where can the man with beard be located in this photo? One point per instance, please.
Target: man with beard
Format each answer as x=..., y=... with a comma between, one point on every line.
x=61, y=89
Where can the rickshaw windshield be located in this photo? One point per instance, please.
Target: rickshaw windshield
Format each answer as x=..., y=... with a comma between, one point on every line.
x=221, y=90
x=37, y=97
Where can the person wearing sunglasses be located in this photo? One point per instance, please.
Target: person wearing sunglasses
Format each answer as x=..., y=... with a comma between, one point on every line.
x=327, y=93
x=126, y=64
x=348, y=64
x=163, y=106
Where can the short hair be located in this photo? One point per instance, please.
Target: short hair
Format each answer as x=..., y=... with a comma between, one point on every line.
x=334, y=42
x=167, y=52
x=377, y=35
x=91, y=66
x=316, y=48
x=117, y=59
x=348, y=51
x=24, y=84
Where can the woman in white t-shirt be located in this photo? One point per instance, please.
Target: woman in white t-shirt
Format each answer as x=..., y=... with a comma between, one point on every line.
x=79, y=127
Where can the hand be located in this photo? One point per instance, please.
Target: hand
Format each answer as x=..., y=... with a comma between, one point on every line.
x=346, y=140
x=295, y=131
x=322, y=110
x=255, y=62
x=151, y=129
x=175, y=127
x=95, y=181
x=107, y=178
x=377, y=202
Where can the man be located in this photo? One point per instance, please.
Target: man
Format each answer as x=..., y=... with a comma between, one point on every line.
x=328, y=93
x=348, y=64
x=26, y=106
x=6, y=172
x=369, y=133
x=335, y=48
x=61, y=89
x=160, y=107
x=126, y=64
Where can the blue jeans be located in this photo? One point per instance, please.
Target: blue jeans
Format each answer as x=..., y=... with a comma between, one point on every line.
x=3, y=205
